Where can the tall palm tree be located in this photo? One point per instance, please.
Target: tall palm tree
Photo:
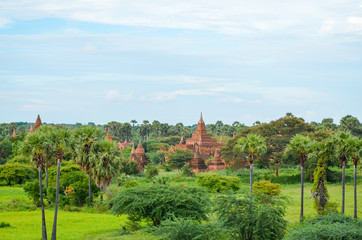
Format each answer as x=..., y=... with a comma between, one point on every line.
x=300, y=145
x=355, y=145
x=133, y=123
x=60, y=139
x=34, y=145
x=342, y=151
x=254, y=145
x=105, y=164
x=82, y=140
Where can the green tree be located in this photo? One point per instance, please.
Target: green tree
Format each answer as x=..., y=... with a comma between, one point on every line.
x=34, y=145
x=179, y=157
x=179, y=126
x=133, y=129
x=105, y=163
x=254, y=146
x=158, y=202
x=300, y=145
x=127, y=130
x=16, y=173
x=355, y=145
x=351, y=124
x=156, y=127
x=82, y=141
x=342, y=151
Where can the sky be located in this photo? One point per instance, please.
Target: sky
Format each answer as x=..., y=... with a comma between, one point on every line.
x=117, y=60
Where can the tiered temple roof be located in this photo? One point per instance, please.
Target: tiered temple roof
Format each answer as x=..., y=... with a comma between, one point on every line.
x=216, y=163
x=108, y=136
x=138, y=155
x=124, y=144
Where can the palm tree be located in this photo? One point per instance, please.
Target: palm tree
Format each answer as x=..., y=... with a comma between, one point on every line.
x=34, y=145
x=133, y=123
x=300, y=145
x=127, y=130
x=342, y=150
x=83, y=138
x=156, y=126
x=254, y=145
x=105, y=164
x=60, y=139
x=355, y=145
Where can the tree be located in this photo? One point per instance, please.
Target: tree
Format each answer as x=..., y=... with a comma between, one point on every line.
x=34, y=145
x=355, y=145
x=300, y=145
x=179, y=126
x=82, y=140
x=253, y=145
x=342, y=151
x=126, y=128
x=156, y=126
x=179, y=157
x=352, y=124
x=133, y=123
x=60, y=139
x=104, y=163
x=218, y=125
x=158, y=202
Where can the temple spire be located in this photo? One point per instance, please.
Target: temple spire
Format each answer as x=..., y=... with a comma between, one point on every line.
x=108, y=136
x=201, y=120
x=38, y=123
x=14, y=134
x=133, y=151
x=31, y=129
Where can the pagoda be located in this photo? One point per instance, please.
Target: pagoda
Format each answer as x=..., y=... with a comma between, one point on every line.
x=108, y=136
x=124, y=144
x=216, y=163
x=37, y=124
x=14, y=134
x=202, y=144
x=139, y=156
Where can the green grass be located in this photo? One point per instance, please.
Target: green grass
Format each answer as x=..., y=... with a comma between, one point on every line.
x=89, y=225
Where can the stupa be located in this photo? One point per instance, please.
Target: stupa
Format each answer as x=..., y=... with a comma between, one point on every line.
x=202, y=144
x=124, y=144
x=37, y=124
x=14, y=134
x=216, y=163
x=108, y=136
x=138, y=155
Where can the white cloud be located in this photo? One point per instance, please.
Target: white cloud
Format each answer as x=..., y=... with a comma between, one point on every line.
x=89, y=48
x=4, y=22
x=112, y=95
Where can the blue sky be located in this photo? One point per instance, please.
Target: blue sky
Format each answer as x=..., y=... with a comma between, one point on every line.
x=100, y=61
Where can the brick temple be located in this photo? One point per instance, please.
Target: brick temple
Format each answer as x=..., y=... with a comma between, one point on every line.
x=203, y=146
x=139, y=156
x=37, y=124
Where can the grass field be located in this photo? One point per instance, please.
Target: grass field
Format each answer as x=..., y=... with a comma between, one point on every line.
x=26, y=225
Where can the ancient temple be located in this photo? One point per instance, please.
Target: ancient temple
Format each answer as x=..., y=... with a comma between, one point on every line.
x=202, y=144
x=14, y=134
x=124, y=144
x=216, y=163
x=37, y=124
x=108, y=136
x=138, y=155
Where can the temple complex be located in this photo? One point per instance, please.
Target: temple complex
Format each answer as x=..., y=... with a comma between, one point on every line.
x=203, y=146
x=108, y=136
x=124, y=144
x=139, y=156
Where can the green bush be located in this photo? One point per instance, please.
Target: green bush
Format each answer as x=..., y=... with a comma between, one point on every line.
x=17, y=173
x=16, y=204
x=157, y=203
x=4, y=225
x=126, y=181
x=217, y=182
x=151, y=171
x=185, y=229
x=187, y=171
x=333, y=226
x=266, y=187
x=32, y=190
x=129, y=167
x=262, y=218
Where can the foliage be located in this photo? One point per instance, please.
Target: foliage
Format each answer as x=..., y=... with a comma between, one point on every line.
x=266, y=187
x=187, y=170
x=179, y=157
x=160, y=202
x=217, y=182
x=5, y=149
x=319, y=190
x=32, y=189
x=259, y=219
x=172, y=140
x=4, y=225
x=156, y=157
x=16, y=173
x=333, y=226
x=151, y=171
x=126, y=181
x=186, y=229
x=17, y=204
x=128, y=167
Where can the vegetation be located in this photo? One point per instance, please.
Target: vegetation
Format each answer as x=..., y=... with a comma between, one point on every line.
x=218, y=183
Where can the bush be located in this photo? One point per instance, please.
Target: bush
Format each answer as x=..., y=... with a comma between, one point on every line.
x=4, y=225
x=16, y=204
x=259, y=219
x=266, y=187
x=217, y=182
x=187, y=170
x=332, y=227
x=185, y=229
x=129, y=167
x=157, y=203
x=151, y=171
x=17, y=173
x=126, y=181
x=32, y=190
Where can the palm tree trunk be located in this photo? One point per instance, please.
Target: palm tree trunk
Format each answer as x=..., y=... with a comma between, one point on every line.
x=44, y=229
x=101, y=199
x=343, y=184
x=46, y=177
x=90, y=190
x=301, y=191
x=251, y=179
x=355, y=190
x=54, y=232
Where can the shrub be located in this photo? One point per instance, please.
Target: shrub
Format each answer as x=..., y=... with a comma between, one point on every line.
x=179, y=157
x=4, y=225
x=129, y=167
x=332, y=227
x=32, y=190
x=259, y=219
x=126, y=181
x=17, y=173
x=157, y=202
x=266, y=187
x=185, y=229
x=217, y=182
x=151, y=171
x=187, y=171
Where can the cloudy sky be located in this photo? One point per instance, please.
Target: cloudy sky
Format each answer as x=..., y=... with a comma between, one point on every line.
x=99, y=61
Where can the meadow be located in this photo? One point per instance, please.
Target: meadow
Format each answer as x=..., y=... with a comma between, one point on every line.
x=88, y=223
